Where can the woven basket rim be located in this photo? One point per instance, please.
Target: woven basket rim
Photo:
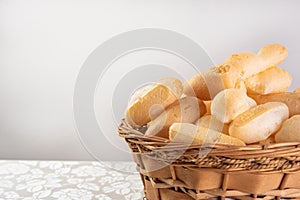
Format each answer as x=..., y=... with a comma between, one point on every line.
x=129, y=132
x=273, y=158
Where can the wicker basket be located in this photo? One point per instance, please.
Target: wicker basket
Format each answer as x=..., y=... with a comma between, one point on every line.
x=172, y=171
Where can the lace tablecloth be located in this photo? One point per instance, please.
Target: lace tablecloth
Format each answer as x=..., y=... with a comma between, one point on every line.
x=66, y=180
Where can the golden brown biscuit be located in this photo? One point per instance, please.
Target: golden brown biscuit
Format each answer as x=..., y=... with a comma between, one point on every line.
x=290, y=130
x=192, y=134
x=259, y=122
x=186, y=110
x=150, y=101
x=272, y=80
x=291, y=99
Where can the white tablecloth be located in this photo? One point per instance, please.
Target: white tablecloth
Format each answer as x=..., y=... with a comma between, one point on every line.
x=65, y=180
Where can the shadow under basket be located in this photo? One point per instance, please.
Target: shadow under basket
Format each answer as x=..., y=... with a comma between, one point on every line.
x=176, y=171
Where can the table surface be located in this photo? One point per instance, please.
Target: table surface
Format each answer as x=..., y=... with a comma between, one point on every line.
x=66, y=180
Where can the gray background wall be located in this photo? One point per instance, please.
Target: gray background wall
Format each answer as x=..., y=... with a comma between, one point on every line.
x=44, y=43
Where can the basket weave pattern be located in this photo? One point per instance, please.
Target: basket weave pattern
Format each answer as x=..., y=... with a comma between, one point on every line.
x=174, y=171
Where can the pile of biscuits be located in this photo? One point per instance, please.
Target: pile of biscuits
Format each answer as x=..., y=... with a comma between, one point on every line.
x=242, y=101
